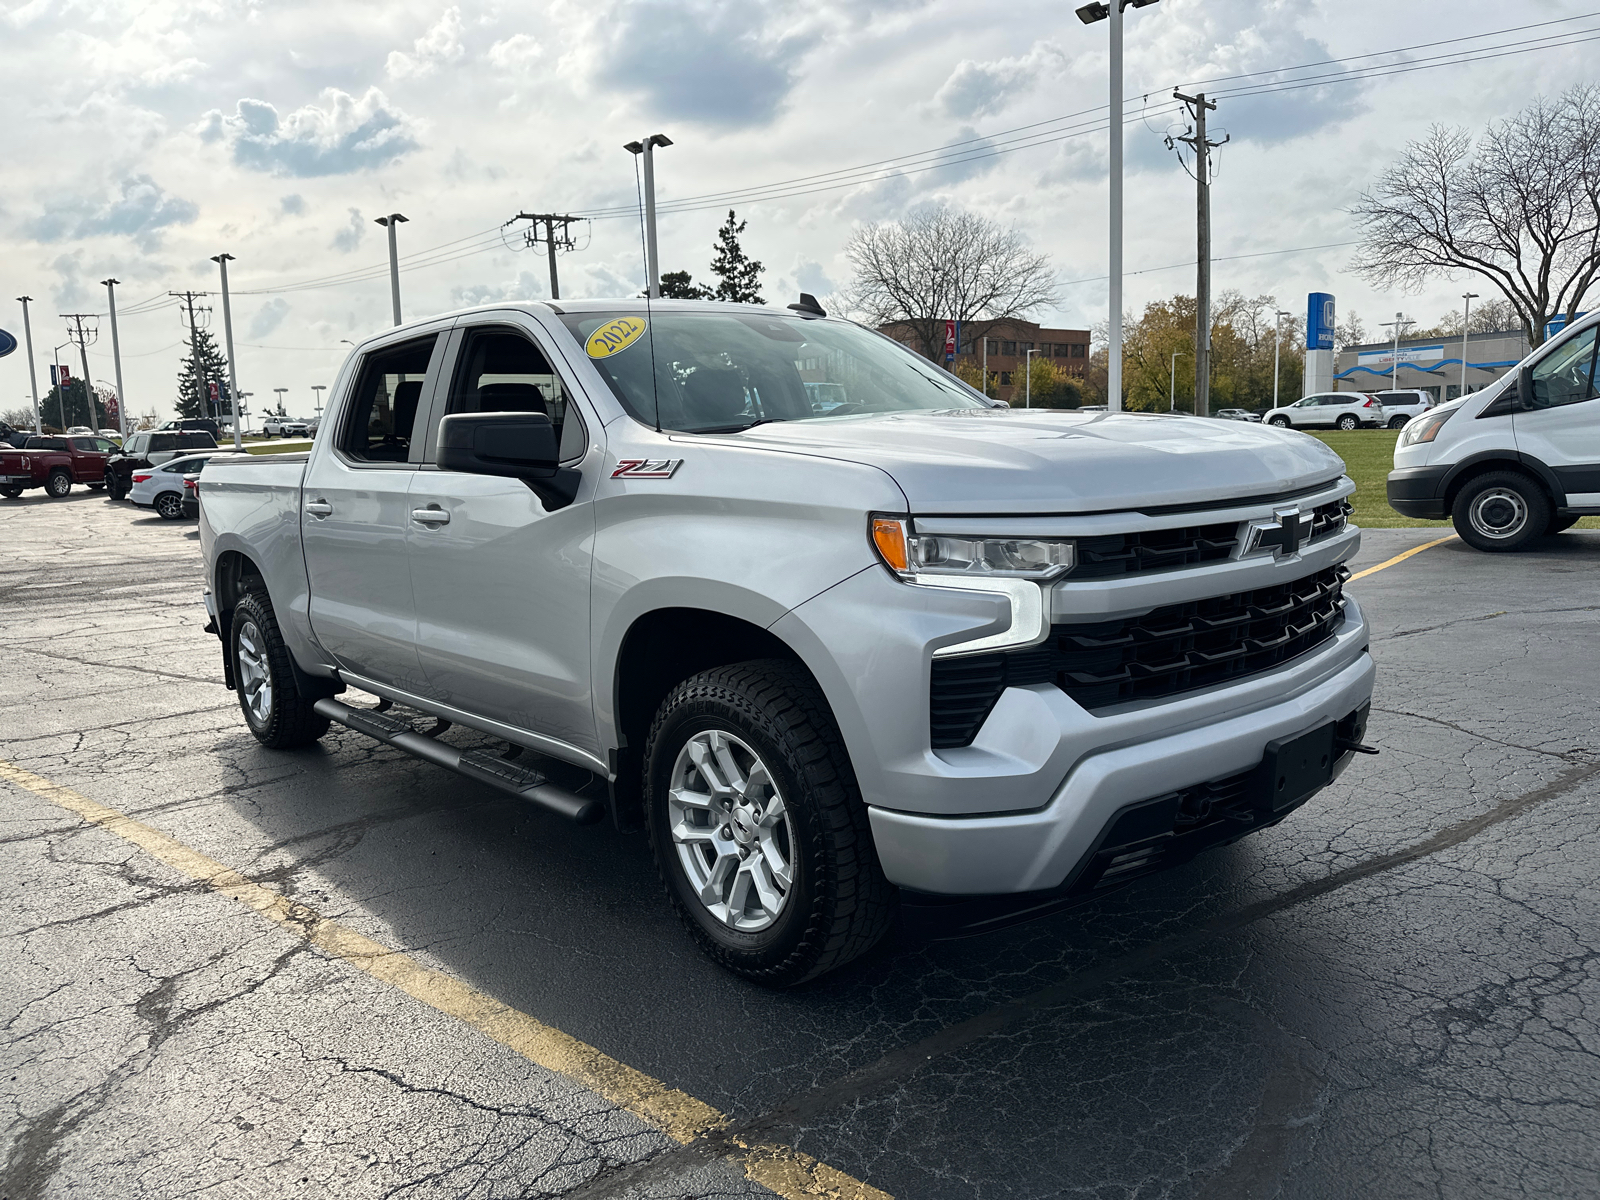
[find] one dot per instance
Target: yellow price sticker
(614, 337)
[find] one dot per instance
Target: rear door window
(382, 414)
(163, 441)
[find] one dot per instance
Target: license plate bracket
(1293, 768)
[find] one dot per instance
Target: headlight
(910, 554)
(1424, 428)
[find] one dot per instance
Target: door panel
(502, 585)
(355, 512)
(1563, 429)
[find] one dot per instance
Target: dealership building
(1430, 364)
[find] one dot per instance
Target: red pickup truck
(55, 463)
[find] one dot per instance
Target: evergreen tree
(54, 415)
(680, 285)
(740, 275)
(195, 401)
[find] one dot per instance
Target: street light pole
(61, 391)
(319, 388)
(391, 222)
(1089, 14)
(1027, 379)
(1399, 323)
(652, 263)
(222, 260)
(33, 378)
(116, 359)
(1277, 346)
(1172, 381)
(1466, 311)
(281, 410)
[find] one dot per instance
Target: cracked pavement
(1394, 993)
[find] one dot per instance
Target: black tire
(1500, 511)
(170, 506)
(1398, 422)
(10, 493)
(1280, 421)
(114, 492)
(1559, 522)
(838, 904)
(1348, 421)
(289, 719)
(59, 483)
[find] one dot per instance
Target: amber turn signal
(889, 536)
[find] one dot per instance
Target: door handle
(319, 508)
(432, 515)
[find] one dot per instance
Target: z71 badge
(646, 468)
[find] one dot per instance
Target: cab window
(163, 441)
(383, 409)
(1567, 374)
(501, 370)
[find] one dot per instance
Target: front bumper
(1044, 849)
(1419, 492)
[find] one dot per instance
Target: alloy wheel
(731, 830)
(255, 680)
(169, 505)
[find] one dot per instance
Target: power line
(1218, 258)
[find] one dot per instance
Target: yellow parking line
(677, 1114)
(1399, 558)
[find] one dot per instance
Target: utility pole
(222, 260)
(116, 359)
(1198, 107)
(553, 239)
(33, 378)
(1277, 345)
(188, 299)
(1466, 312)
(391, 222)
(1399, 323)
(652, 263)
(1027, 379)
(80, 336)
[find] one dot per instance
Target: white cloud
(139, 208)
(268, 317)
(348, 238)
(439, 47)
(345, 134)
(515, 53)
(980, 89)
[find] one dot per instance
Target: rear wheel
(115, 490)
(278, 715)
(1398, 422)
(10, 493)
(170, 506)
(1280, 421)
(1502, 510)
(59, 483)
(758, 828)
(1348, 421)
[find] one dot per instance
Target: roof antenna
(649, 324)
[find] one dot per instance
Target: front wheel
(279, 716)
(1280, 422)
(10, 493)
(1503, 510)
(1398, 422)
(58, 485)
(757, 825)
(1348, 421)
(170, 506)
(114, 491)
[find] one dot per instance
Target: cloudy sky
(142, 138)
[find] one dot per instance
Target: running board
(486, 768)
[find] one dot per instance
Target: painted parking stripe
(1400, 558)
(677, 1114)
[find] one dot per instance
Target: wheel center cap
(744, 827)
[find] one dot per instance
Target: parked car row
(150, 468)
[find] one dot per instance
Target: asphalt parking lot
(344, 972)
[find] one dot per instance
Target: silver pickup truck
(847, 638)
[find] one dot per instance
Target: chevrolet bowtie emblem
(1284, 533)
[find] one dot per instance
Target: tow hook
(1346, 744)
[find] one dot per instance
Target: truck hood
(1010, 461)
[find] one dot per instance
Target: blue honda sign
(7, 343)
(1319, 321)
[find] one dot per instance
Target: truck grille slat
(1170, 650)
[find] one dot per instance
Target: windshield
(718, 373)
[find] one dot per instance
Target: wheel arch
(1482, 463)
(660, 649)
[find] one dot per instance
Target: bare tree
(1521, 209)
(941, 264)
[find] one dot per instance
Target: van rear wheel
(1500, 511)
(757, 825)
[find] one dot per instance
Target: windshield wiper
(737, 428)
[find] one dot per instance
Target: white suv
(1513, 462)
(1401, 406)
(1330, 410)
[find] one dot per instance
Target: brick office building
(1008, 346)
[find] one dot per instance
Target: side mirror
(515, 445)
(1525, 389)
